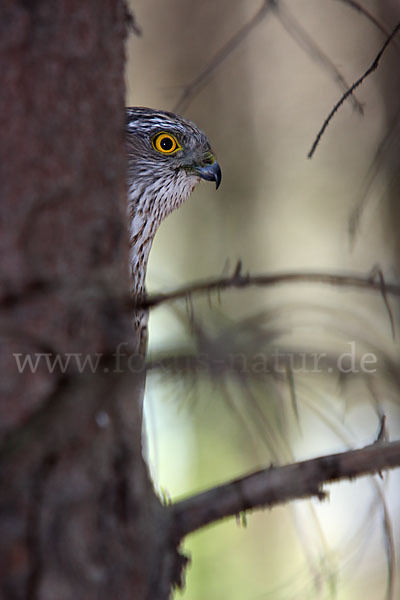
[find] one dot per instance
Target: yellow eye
(166, 143)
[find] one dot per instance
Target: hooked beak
(210, 173)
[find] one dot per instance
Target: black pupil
(166, 144)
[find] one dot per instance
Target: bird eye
(165, 143)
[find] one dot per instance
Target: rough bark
(78, 516)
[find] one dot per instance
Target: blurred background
(260, 78)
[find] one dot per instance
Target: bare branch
(295, 30)
(299, 34)
(362, 10)
(381, 279)
(355, 85)
(277, 485)
(389, 547)
(237, 280)
(131, 21)
(380, 155)
(194, 87)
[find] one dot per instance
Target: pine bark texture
(78, 516)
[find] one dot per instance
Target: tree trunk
(78, 516)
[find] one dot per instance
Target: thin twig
(362, 10)
(389, 543)
(194, 86)
(131, 22)
(385, 146)
(300, 35)
(245, 281)
(355, 85)
(382, 434)
(277, 485)
(385, 299)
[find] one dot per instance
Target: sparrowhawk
(167, 157)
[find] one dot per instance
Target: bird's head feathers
(167, 156)
(165, 149)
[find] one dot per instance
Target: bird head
(167, 157)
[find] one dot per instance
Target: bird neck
(143, 224)
(148, 205)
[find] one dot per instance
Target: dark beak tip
(211, 173)
(218, 175)
(218, 178)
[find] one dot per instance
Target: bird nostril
(209, 159)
